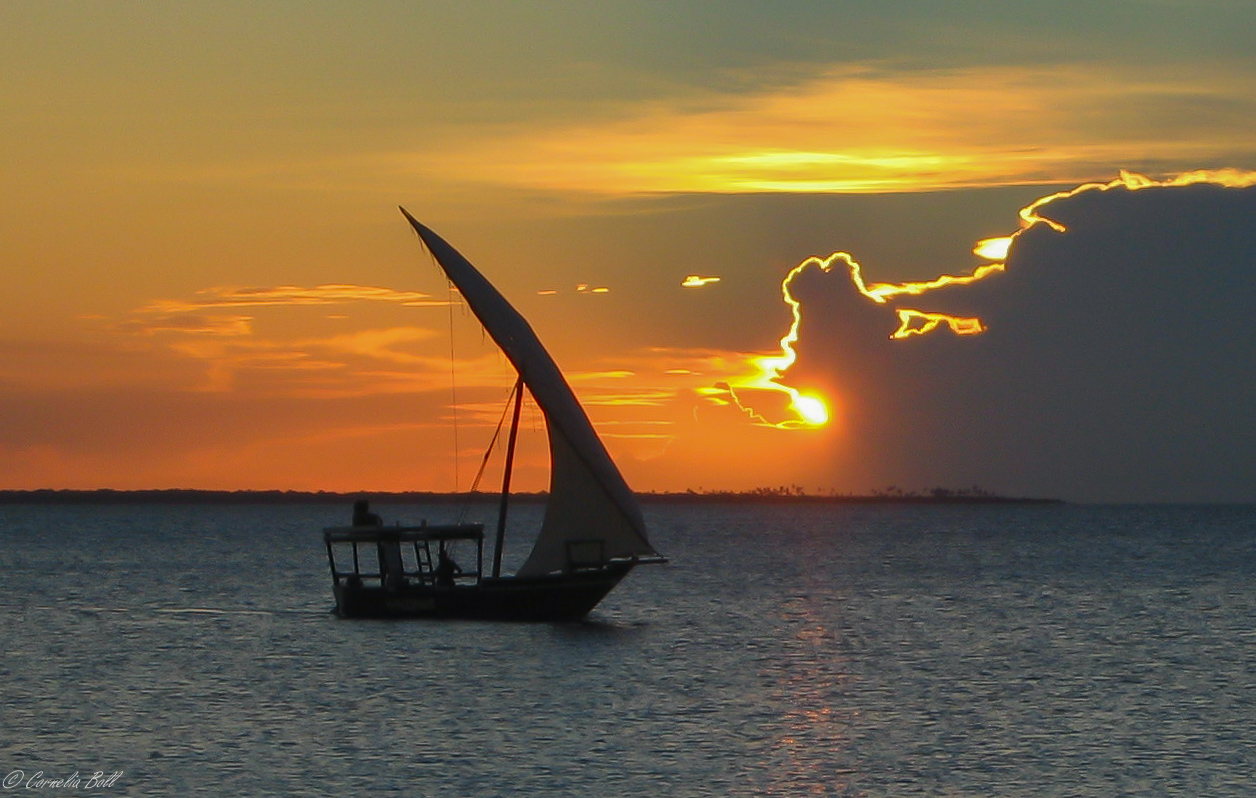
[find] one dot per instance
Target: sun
(812, 409)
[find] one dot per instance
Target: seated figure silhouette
(391, 569)
(446, 570)
(362, 515)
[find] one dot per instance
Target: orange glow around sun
(812, 410)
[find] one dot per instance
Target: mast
(510, 462)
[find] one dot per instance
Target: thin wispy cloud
(232, 356)
(332, 294)
(153, 322)
(208, 332)
(368, 362)
(198, 315)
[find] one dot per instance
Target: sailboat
(592, 533)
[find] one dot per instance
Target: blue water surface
(785, 650)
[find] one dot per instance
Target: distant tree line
(778, 494)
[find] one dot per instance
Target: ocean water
(785, 650)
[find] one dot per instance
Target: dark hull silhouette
(556, 597)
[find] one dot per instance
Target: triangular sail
(589, 500)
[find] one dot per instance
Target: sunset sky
(208, 283)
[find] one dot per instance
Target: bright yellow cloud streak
(880, 292)
(859, 130)
(698, 281)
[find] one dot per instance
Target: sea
(785, 650)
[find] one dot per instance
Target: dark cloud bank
(1116, 365)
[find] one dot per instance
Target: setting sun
(812, 409)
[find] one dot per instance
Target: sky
(208, 283)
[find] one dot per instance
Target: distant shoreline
(189, 496)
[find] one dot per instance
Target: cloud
(208, 330)
(698, 281)
(870, 129)
(200, 314)
(237, 297)
(151, 321)
(362, 363)
(1115, 365)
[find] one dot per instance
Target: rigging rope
(487, 453)
(453, 381)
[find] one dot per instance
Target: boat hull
(555, 597)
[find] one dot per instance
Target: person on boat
(362, 515)
(446, 569)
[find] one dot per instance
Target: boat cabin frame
(400, 556)
(395, 572)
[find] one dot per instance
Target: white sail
(589, 500)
